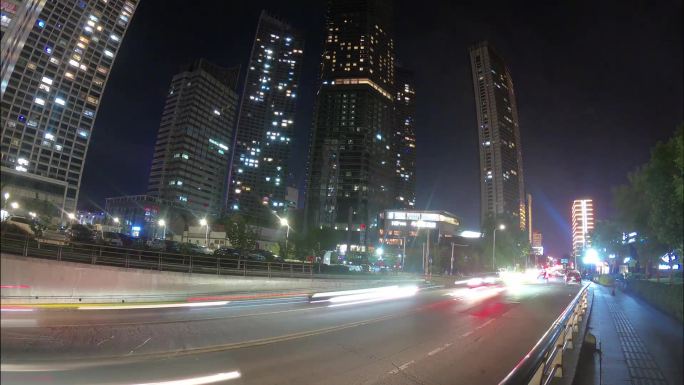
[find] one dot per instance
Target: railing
(545, 361)
(148, 259)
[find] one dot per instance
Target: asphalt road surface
(437, 336)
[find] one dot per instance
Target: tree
(512, 244)
(240, 233)
(651, 203)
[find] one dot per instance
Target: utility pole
(451, 269)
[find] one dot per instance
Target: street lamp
(7, 196)
(71, 216)
(284, 222)
(116, 220)
(203, 222)
(14, 205)
(162, 223)
(501, 227)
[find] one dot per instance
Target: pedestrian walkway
(638, 343)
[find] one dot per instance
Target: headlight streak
(353, 297)
(199, 380)
(154, 306)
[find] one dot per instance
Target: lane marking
(112, 360)
(139, 346)
(484, 324)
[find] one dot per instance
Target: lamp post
(284, 222)
(162, 223)
(501, 227)
(203, 222)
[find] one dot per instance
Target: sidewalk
(638, 343)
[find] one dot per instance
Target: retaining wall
(34, 280)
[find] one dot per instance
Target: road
(437, 336)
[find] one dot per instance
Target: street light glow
(7, 195)
(591, 257)
(71, 216)
(116, 219)
(502, 227)
(162, 222)
(470, 234)
(14, 205)
(32, 214)
(283, 222)
(203, 222)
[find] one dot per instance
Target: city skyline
(457, 195)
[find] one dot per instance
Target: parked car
(172, 246)
(191, 248)
(270, 257)
(112, 239)
(156, 244)
(53, 235)
(82, 234)
(25, 225)
(254, 256)
(227, 252)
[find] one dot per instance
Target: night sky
(597, 84)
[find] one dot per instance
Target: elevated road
(438, 336)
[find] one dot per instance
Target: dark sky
(597, 83)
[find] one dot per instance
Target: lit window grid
(63, 157)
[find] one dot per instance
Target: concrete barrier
(34, 280)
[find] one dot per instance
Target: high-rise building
(582, 225)
(191, 156)
(405, 141)
(528, 217)
(263, 142)
(351, 163)
(502, 191)
(56, 60)
(537, 245)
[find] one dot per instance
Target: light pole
(501, 227)
(162, 223)
(284, 222)
(203, 222)
(403, 254)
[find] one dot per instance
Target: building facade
(191, 155)
(502, 190)
(265, 130)
(405, 141)
(56, 60)
(537, 243)
(582, 225)
(351, 163)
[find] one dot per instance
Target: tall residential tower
(191, 156)
(263, 142)
(352, 162)
(56, 59)
(405, 141)
(502, 190)
(582, 225)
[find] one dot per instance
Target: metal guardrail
(149, 259)
(545, 361)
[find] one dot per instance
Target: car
(155, 244)
(271, 257)
(112, 239)
(172, 246)
(52, 235)
(81, 234)
(254, 256)
(227, 252)
(24, 224)
(573, 276)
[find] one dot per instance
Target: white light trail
(154, 306)
(199, 380)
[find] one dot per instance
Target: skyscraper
(405, 141)
(351, 163)
(528, 217)
(266, 122)
(191, 156)
(502, 190)
(582, 225)
(56, 60)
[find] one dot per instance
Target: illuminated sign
(398, 223)
(424, 224)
